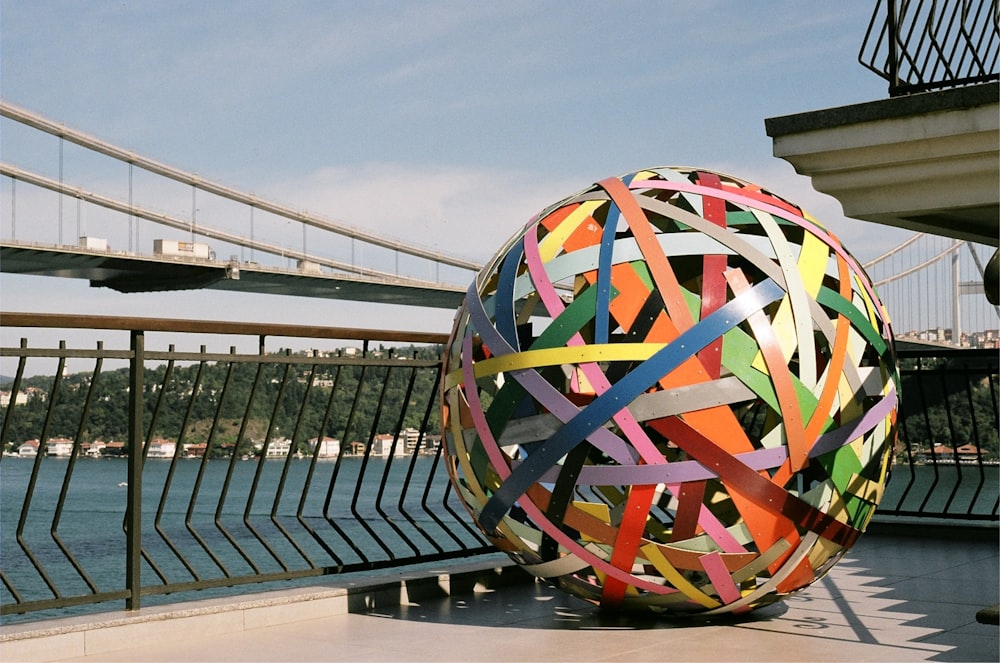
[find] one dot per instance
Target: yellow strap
(866, 489)
(822, 552)
(674, 577)
(552, 243)
(792, 322)
(579, 354)
(869, 308)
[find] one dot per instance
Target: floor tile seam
(910, 647)
(969, 562)
(874, 591)
(167, 615)
(261, 600)
(901, 617)
(929, 569)
(942, 633)
(891, 620)
(873, 575)
(907, 645)
(908, 619)
(957, 627)
(923, 599)
(905, 579)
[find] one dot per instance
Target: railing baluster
(975, 435)
(992, 382)
(15, 389)
(307, 483)
(35, 469)
(352, 542)
(345, 437)
(364, 466)
(947, 400)
(260, 470)
(401, 504)
(77, 443)
(234, 458)
(202, 466)
(279, 491)
(388, 464)
(930, 437)
(917, 46)
(168, 481)
(147, 436)
(133, 511)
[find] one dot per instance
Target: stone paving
(895, 597)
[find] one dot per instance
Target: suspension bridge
(247, 245)
(232, 240)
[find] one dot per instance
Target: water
(947, 489)
(94, 508)
(364, 527)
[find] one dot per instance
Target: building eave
(928, 162)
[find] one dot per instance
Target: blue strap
(506, 322)
(621, 394)
(604, 261)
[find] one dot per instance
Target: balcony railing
(947, 458)
(251, 466)
(919, 46)
(233, 484)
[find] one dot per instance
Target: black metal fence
(919, 45)
(281, 465)
(947, 459)
(252, 467)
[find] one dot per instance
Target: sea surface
(373, 513)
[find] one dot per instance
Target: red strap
(713, 281)
(752, 485)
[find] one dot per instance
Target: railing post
(893, 33)
(133, 510)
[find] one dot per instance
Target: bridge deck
(135, 273)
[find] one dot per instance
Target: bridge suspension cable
(916, 268)
(183, 224)
(84, 140)
(892, 252)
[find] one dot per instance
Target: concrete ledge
(71, 637)
(936, 528)
(890, 108)
(925, 162)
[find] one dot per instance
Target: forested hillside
(304, 400)
(943, 404)
(950, 402)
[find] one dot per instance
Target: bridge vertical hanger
(956, 307)
(251, 234)
(194, 209)
(61, 142)
(131, 213)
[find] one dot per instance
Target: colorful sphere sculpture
(673, 390)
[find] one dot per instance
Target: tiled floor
(894, 598)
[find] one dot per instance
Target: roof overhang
(927, 162)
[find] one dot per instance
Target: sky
(445, 124)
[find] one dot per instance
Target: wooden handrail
(129, 323)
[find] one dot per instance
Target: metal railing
(919, 46)
(946, 464)
(210, 509)
(253, 467)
